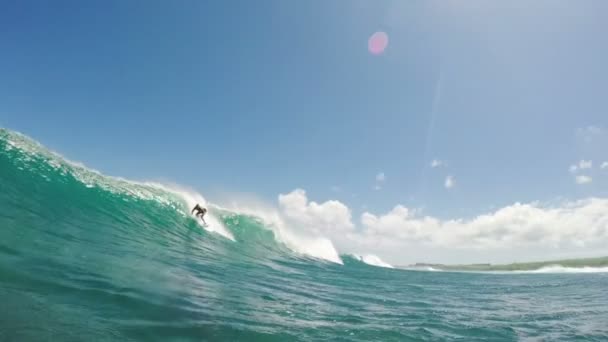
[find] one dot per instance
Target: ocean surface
(88, 257)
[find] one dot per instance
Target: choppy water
(86, 257)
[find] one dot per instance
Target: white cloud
(519, 226)
(319, 218)
(604, 165)
(449, 182)
(590, 130)
(380, 178)
(582, 165)
(585, 164)
(583, 179)
(437, 163)
(516, 232)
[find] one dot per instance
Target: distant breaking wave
(551, 269)
(562, 269)
(372, 260)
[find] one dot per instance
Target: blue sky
(267, 96)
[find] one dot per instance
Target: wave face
(84, 256)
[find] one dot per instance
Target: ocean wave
(29, 155)
(174, 196)
(39, 159)
(121, 260)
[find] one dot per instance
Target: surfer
(200, 212)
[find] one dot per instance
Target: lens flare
(377, 43)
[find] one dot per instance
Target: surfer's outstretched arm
(196, 207)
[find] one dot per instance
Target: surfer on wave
(200, 212)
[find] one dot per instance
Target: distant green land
(519, 266)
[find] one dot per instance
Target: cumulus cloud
(582, 179)
(575, 224)
(449, 182)
(437, 163)
(604, 165)
(581, 165)
(324, 218)
(585, 164)
(590, 130)
(403, 235)
(380, 179)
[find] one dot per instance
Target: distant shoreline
(518, 266)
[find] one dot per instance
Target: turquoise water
(86, 257)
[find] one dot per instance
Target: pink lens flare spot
(377, 43)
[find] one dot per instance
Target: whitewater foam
(562, 269)
(372, 260)
(422, 268)
(552, 269)
(318, 247)
(191, 198)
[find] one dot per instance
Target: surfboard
(203, 223)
